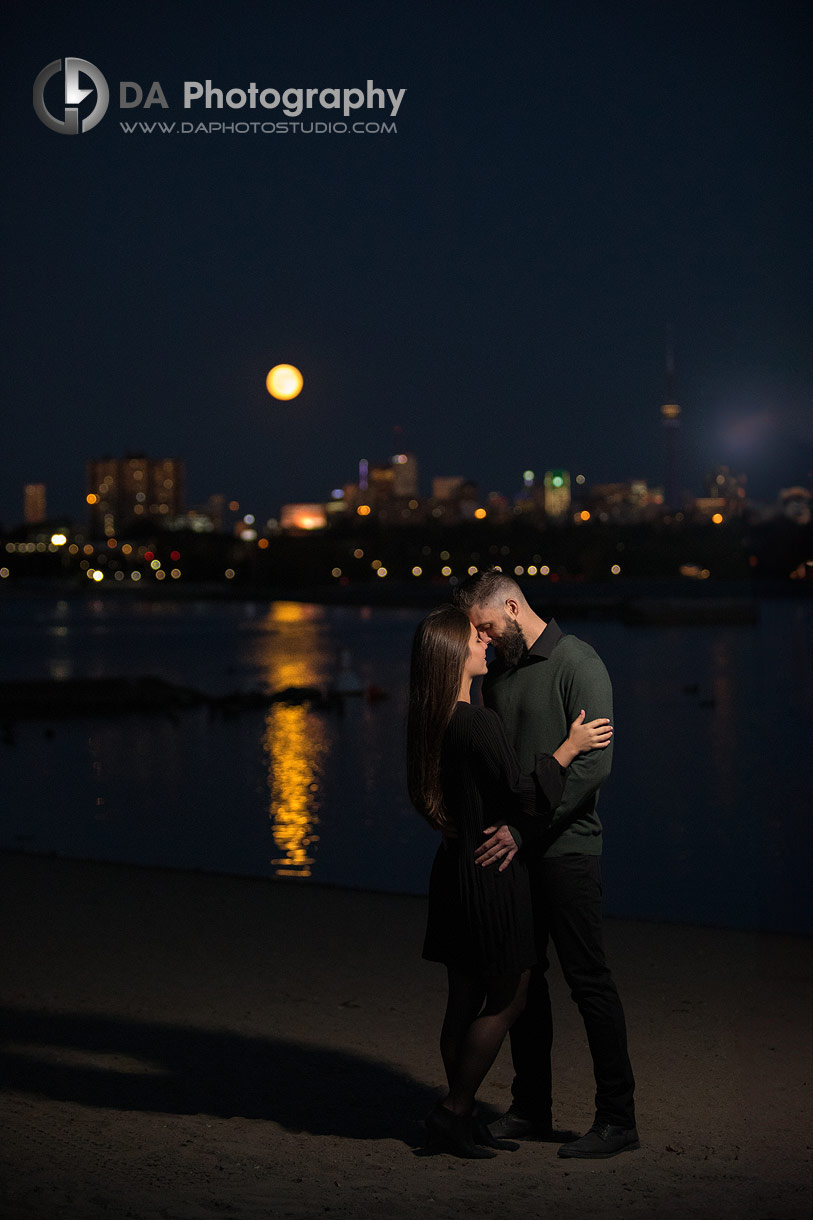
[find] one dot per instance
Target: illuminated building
(453, 498)
(795, 504)
(405, 475)
(303, 517)
(214, 509)
(557, 494)
(625, 502)
(709, 508)
(381, 485)
(447, 487)
(126, 492)
(34, 508)
(722, 484)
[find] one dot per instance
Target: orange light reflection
(295, 746)
(297, 738)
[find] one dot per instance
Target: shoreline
(635, 602)
(181, 1044)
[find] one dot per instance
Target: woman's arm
(595, 735)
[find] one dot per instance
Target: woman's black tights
(478, 1016)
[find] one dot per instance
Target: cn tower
(670, 421)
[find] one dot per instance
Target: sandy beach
(185, 1046)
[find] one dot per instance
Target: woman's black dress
(480, 920)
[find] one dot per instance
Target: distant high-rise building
(795, 503)
(128, 491)
(381, 484)
(447, 487)
(215, 509)
(303, 517)
(34, 505)
(557, 493)
(405, 475)
(730, 487)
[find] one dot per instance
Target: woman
(463, 777)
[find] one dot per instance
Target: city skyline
(112, 482)
(495, 277)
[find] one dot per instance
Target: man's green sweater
(537, 701)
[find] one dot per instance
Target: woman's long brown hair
(439, 652)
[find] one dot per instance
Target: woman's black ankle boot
(448, 1132)
(483, 1136)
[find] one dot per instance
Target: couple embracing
(513, 788)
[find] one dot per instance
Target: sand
(186, 1046)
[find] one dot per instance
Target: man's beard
(511, 646)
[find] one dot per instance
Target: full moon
(284, 381)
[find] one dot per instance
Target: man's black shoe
(601, 1141)
(513, 1126)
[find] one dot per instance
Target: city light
(616, 569)
(364, 510)
(718, 518)
(416, 571)
(91, 498)
(480, 514)
(284, 381)
(58, 539)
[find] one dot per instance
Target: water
(706, 814)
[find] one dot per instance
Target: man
(540, 681)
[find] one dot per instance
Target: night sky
(495, 279)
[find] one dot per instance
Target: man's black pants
(567, 910)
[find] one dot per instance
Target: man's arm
(589, 687)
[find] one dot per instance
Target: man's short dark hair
(484, 588)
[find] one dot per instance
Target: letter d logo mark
(74, 94)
